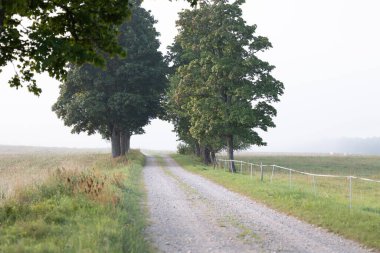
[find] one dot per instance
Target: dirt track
(191, 214)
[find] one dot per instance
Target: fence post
(262, 172)
(225, 165)
(350, 178)
(271, 177)
(241, 167)
(251, 170)
(290, 178)
(314, 186)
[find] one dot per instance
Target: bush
(184, 149)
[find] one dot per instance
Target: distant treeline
(359, 146)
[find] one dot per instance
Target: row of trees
(220, 91)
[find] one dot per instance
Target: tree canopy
(45, 35)
(119, 100)
(219, 85)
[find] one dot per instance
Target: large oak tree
(119, 100)
(221, 85)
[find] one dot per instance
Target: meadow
(364, 166)
(68, 202)
(320, 201)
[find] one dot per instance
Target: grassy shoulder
(93, 210)
(359, 223)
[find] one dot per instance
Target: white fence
(250, 167)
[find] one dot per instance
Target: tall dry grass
(94, 205)
(20, 170)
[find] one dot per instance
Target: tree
(45, 35)
(119, 100)
(224, 88)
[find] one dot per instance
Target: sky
(326, 53)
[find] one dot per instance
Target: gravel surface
(189, 213)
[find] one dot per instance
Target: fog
(325, 52)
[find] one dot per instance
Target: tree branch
(70, 15)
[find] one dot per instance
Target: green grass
(91, 210)
(327, 207)
(363, 166)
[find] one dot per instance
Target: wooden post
(350, 178)
(271, 178)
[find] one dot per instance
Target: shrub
(184, 149)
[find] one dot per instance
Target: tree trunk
(213, 158)
(230, 151)
(124, 142)
(206, 155)
(197, 149)
(127, 142)
(115, 142)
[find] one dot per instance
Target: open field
(325, 203)
(91, 203)
(364, 194)
(7, 149)
(26, 166)
(363, 166)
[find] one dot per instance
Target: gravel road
(189, 213)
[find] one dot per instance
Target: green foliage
(45, 35)
(220, 89)
(126, 95)
(58, 218)
(328, 208)
(185, 149)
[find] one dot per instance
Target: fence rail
(226, 162)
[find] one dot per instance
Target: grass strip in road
(331, 213)
(93, 210)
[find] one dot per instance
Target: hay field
(22, 167)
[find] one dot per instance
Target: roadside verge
(94, 210)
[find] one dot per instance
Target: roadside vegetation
(92, 209)
(31, 168)
(326, 205)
